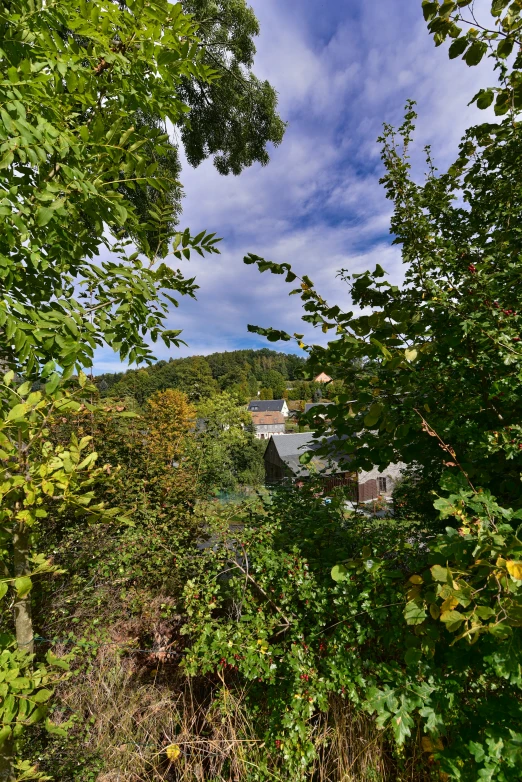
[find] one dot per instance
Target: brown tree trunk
(22, 606)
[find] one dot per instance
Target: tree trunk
(22, 606)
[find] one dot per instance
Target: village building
(269, 406)
(282, 464)
(269, 424)
(322, 377)
(311, 405)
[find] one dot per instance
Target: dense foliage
(378, 635)
(152, 632)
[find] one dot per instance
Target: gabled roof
(309, 405)
(290, 447)
(266, 405)
(261, 419)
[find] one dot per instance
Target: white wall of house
(265, 431)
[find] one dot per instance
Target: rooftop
(266, 405)
(270, 417)
(290, 447)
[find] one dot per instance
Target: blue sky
(341, 69)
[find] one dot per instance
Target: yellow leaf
(173, 752)
(449, 604)
(514, 569)
(431, 746)
(416, 579)
(410, 354)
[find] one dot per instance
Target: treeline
(240, 372)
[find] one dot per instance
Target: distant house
(322, 377)
(282, 461)
(282, 464)
(268, 424)
(310, 405)
(269, 406)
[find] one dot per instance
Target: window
(381, 484)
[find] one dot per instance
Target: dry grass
(352, 749)
(138, 712)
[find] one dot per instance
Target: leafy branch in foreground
(68, 142)
(39, 480)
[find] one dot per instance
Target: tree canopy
(86, 93)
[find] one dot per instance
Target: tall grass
(137, 711)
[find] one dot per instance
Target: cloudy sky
(341, 68)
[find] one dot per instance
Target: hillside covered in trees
(242, 372)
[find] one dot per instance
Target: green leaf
(413, 657)
(23, 585)
(5, 733)
(18, 411)
(429, 9)
(339, 573)
(414, 613)
(500, 630)
(458, 47)
(505, 47)
(484, 612)
(41, 696)
(43, 215)
(402, 724)
(52, 384)
(451, 617)
(439, 573)
(485, 99)
(475, 53)
(497, 6)
(3, 589)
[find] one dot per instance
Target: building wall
(265, 431)
(275, 468)
(371, 482)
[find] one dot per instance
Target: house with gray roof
(282, 464)
(269, 406)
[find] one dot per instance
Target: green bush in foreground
(421, 630)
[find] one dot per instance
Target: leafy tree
(38, 479)
(233, 123)
(235, 117)
(228, 453)
(266, 393)
(68, 141)
(275, 381)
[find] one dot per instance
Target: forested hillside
(243, 372)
